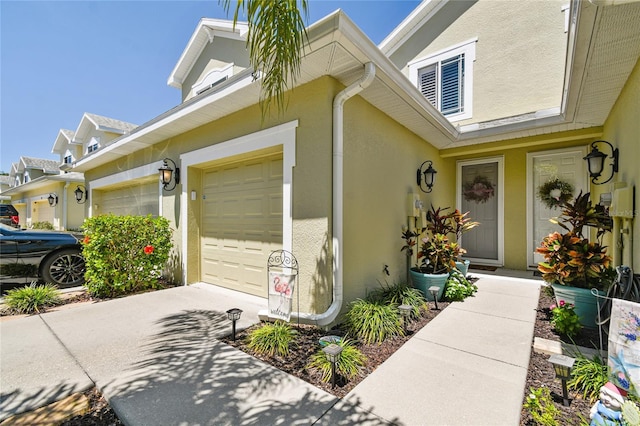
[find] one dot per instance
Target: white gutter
(327, 317)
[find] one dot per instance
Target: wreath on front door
(478, 190)
(555, 192)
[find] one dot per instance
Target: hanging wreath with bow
(478, 190)
(555, 192)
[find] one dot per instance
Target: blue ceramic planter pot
(586, 305)
(423, 281)
(463, 267)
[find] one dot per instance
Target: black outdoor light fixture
(595, 161)
(233, 315)
(429, 176)
(405, 311)
(53, 199)
(562, 365)
(81, 193)
(332, 352)
(167, 173)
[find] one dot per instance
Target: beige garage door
(241, 223)
(43, 212)
(136, 200)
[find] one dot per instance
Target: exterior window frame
(468, 51)
(93, 145)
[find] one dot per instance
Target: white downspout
(64, 206)
(332, 312)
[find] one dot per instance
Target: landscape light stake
(333, 353)
(405, 311)
(562, 365)
(234, 315)
(434, 292)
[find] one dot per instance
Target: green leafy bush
(458, 287)
(42, 225)
(372, 321)
(125, 254)
(540, 404)
(350, 361)
(400, 294)
(32, 298)
(564, 319)
(272, 339)
(588, 376)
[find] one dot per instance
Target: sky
(60, 59)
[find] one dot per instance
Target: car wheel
(64, 268)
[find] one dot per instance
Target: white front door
(568, 166)
(479, 192)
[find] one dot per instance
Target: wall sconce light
(429, 176)
(233, 315)
(333, 355)
(405, 311)
(595, 162)
(81, 193)
(167, 173)
(562, 365)
(53, 199)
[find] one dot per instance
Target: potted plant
(573, 264)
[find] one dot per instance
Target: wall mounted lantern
(595, 161)
(429, 176)
(53, 199)
(167, 174)
(81, 193)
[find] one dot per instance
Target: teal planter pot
(586, 304)
(463, 267)
(423, 281)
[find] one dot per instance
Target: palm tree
(275, 39)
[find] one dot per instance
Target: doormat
(483, 267)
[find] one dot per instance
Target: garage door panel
(139, 199)
(242, 223)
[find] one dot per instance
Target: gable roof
(47, 166)
(204, 34)
(65, 137)
(98, 122)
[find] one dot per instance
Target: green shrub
(42, 225)
(33, 298)
(588, 376)
(125, 254)
(272, 339)
(564, 319)
(350, 361)
(458, 287)
(400, 294)
(540, 404)
(372, 322)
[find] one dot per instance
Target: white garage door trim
(284, 135)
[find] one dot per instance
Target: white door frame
(496, 159)
(531, 195)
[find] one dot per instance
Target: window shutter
(452, 85)
(427, 81)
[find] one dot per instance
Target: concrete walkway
(158, 360)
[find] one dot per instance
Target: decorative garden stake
(434, 292)
(562, 365)
(333, 353)
(234, 315)
(405, 311)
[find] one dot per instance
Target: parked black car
(46, 256)
(9, 215)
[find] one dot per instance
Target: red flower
(148, 249)
(86, 239)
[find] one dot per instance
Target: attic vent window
(445, 79)
(215, 83)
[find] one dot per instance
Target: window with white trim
(68, 158)
(445, 78)
(93, 145)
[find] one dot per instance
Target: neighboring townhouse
(333, 178)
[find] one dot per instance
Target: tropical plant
(540, 404)
(400, 294)
(276, 37)
(462, 223)
(42, 225)
(582, 213)
(438, 254)
(564, 319)
(32, 299)
(588, 376)
(458, 287)
(439, 221)
(350, 361)
(373, 322)
(272, 339)
(125, 254)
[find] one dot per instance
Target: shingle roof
(6, 180)
(47, 166)
(110, 122)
